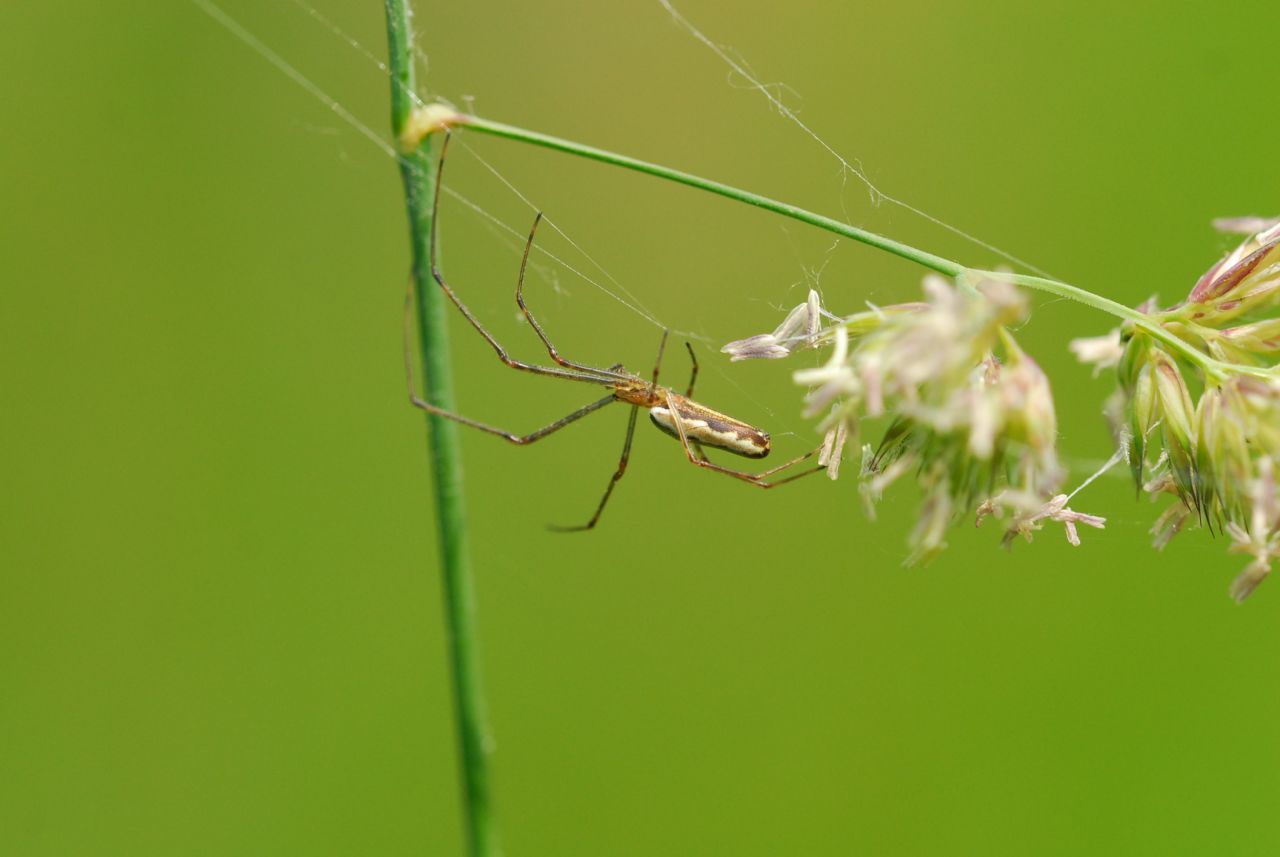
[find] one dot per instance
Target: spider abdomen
(710, 428)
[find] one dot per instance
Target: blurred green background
(220, 628)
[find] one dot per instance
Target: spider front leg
(517, 439)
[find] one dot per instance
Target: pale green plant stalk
(418, 175)
(439, 116)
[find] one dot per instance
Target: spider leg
(573, 371)
(693, 375)
(617, 475)
(657, 363)
(419, 402)
(758, 479)
(517, 439)
(528, 314)
(689, 393)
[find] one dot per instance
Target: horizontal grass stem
(897, 248)
(928, 260)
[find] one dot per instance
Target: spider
(689, 422)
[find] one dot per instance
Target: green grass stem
(931, 261)
(418, 176)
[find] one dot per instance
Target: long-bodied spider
(694, 425)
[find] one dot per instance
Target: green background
(220, 628)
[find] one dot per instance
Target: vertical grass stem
(418, 176)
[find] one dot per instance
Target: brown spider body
(678, 415)
(700, 423)
(710, 428)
